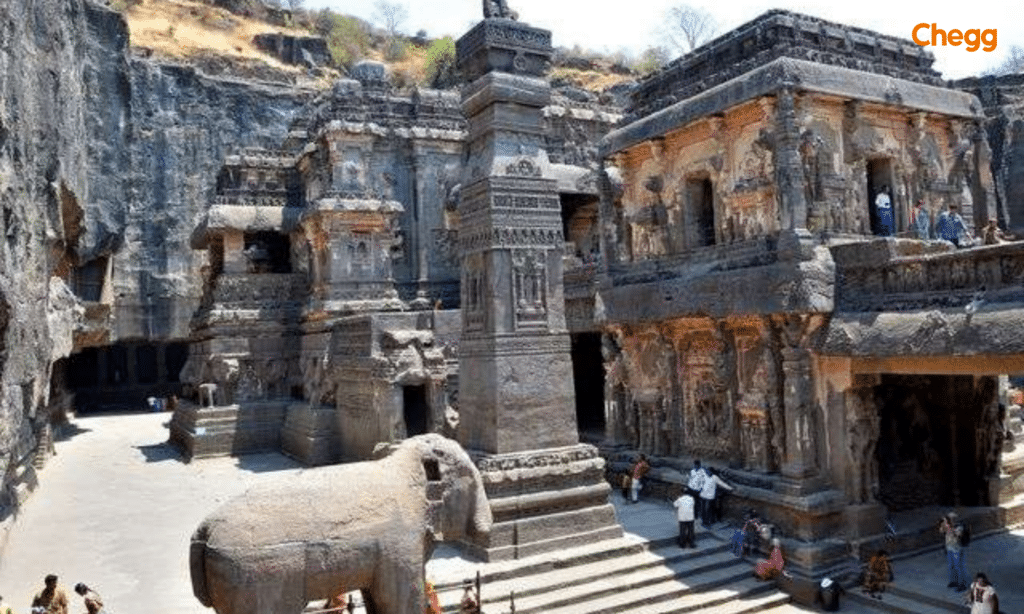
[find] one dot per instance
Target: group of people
(698, 501)
(54, 600)
(980, 595)
(949, 224)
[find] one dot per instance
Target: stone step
(725, 595)
(900, 602)
(616, 593)
(645, 567)
(603, 550)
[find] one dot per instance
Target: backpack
(965, 534)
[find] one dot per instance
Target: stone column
(800, 460)
(789, 171)
(516, 398)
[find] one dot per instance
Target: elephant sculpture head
(457, 504)
(365, 526)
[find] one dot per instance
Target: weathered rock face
(183, 124)
(1003, 99)
(106, 163)
(58, 131)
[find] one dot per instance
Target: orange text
(975, 39)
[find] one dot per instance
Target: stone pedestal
(227, 429)
(309, 434)
(516, 398)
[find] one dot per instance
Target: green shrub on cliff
(440, 68)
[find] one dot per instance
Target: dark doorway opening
(268, 252)
(879, 175)
(939, 440)
(588, 381)
(701, 196)
(122, 376)
(415, 410)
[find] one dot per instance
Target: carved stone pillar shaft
(789, 166)
(801, 455)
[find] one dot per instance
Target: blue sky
(607, 26)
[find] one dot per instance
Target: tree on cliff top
(391, 15)
(687, 27)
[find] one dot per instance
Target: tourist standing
(684, 514)
(93, 602)
(707, 496)
(696, 482)
(52, 598)
(953, 531)
(640, 470)
(883, 212)
(982, 597)
(920, 221)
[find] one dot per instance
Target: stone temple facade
(703, 277)
(748, 313)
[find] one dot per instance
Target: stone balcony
(896, 275)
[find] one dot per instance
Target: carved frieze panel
(529, 288)
(474, 280)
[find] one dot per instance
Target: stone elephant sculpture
(366, 526)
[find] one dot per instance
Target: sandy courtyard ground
(115, 509)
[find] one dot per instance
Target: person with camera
(953, 531)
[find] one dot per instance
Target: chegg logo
(975, 38)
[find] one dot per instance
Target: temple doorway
(879, 175)
(588, 382)
(415, 410)
(939, 440)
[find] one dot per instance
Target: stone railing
(742, 254)
(250, 199)
(870, 279)
(263, 291)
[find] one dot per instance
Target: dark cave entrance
(940, 438)
(120, 377)
(415, 410)
(588, 382)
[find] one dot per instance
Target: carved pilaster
(801, 458)
(789, 167)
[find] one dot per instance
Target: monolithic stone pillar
(789, 171)
(801, 459)
(516, 399)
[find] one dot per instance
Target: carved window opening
(580, 227)
(415, 410)
(268, 252)
(88, 280)
(700, 195)
(884, 220)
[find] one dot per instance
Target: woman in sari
(768, 569)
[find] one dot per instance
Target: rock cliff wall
(182, 124)
(49, 61)
(106, 163)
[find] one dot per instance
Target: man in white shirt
(696, 482)
(707, 496)
(684, 514)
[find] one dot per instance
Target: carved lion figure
(365, 526)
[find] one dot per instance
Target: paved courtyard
(116, 508)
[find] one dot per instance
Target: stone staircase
(897, 600)
(622, 576)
